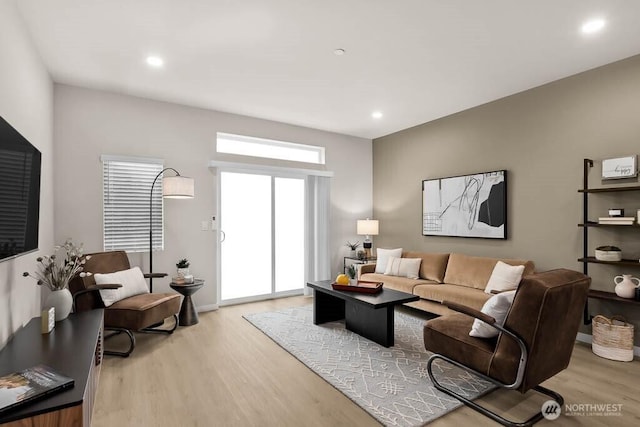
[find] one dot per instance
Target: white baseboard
(206, 307)
(586, 338)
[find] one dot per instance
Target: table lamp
(367, 227)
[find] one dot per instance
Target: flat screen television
(20, 164)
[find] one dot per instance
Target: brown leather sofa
(453, 277)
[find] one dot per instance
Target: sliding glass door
(262, 219)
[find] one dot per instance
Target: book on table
(19, 388)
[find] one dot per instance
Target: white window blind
(125, 190)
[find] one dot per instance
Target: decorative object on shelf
(173, 187)
(362, 255)
(367, 227)
(56, 276)
(608, 253)
(612, 338)
(638, 216)
(616, 212)
(466, 206)
(353, 247)
(625, 286)
(620, 167)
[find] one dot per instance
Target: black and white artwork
(466, 206)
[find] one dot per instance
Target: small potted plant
(351, 272)
(183, 268)
(353, 247)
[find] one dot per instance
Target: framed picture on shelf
(620, 167)
(466, 206)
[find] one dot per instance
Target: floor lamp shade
(177, 187)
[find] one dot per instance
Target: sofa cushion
(403, 284)
(474, 272)
(433, 265)
(505, 277)
(449, 336)
(383, 256)
(141, 311)
(403, 267)
(474, 298)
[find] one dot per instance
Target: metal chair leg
(118, 331)
(153, 330)
(484, 411)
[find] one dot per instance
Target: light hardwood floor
(225, 372)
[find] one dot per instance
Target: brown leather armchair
(139, 313)
(534, 344)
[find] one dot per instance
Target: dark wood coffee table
(368, 315)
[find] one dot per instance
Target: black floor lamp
(173, 187)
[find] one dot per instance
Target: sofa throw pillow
(497, 307)
(504, 277)
(403, 267)
(383, 256)
(132, 282)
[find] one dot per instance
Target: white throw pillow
(497, 307)
(132, 282)
(383, 256)
(504, 277)
(404, 267)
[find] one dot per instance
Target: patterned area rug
(391, 384)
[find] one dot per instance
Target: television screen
(19, 193)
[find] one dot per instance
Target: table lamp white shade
(368, 227)
(177, 187)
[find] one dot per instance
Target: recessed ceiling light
(339, 52)
(376, 114)
(155, 61)
(593, 26)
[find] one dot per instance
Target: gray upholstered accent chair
(139, 313)
(534, 344)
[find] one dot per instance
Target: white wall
(89, 123)
(26, 99)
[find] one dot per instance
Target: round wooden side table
(188, 315)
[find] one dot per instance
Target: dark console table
(73, 348)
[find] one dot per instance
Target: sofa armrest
(366, 268)
(470, 312)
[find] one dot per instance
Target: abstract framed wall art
(466, 206)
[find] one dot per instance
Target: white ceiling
(414, 60)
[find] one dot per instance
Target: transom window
(268, 148)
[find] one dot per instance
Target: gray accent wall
(540, 137)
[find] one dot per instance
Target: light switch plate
(204, 226)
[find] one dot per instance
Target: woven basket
(612, 338)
